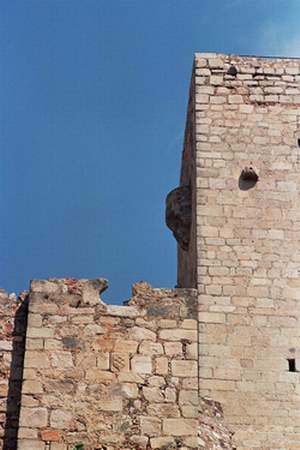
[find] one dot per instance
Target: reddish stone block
(50, 435)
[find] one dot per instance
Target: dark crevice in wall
(16, 376)
(247, 179)
(292, 365)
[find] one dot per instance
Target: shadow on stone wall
(16, 376)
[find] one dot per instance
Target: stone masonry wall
(247, 112)
(110, 377)
(13, 314)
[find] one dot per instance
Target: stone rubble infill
(213, 434)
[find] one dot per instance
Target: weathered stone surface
(60, 419)
(180, 427)
(185, 368)
(150, 426)
(162, 442)
(141, 364)
(34, 417)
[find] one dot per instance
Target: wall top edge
(198, 55)
(82, 293)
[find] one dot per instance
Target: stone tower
(239, 240)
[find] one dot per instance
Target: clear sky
(93, 104)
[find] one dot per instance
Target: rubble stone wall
(109, 377)
(248, 244)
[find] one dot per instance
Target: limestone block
(184, 368)
(161, 366)
(28, 444)
(167, 323)
(163, 410)
(103, 361)
(151, 426)
(31, 387)
(5, 345)
(216, 80)
(33, 344)
(34, 320)
(28, 433)
(156, 381)
(36, 359)
(82, 319)
(170, 395)
(123, 311)
(173, 348)
(150, 348)
(192, 383)
(141, 334)
(162, 442)
(60, 419)
(41, 332)
(190, 411)
(178, 335)
(33, 417)
(44, 286)
(141, 364)
(3, 388)
(58, 446)
(192, 351)
(93, 329)
(87, 361)
(212, 317)
(235, 99)
(98, 375)
(188, 397)
(180, 427)
(189, 324)
(131, 377)
(153, 394)
(52, 344)
(61, 360)
(112, 404)
(126, 346)
(129, 390)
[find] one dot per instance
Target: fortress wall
(13, 313)
(109, 377)
(248, 244)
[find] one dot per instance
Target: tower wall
(248, 244)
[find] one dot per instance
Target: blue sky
(93, 104)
